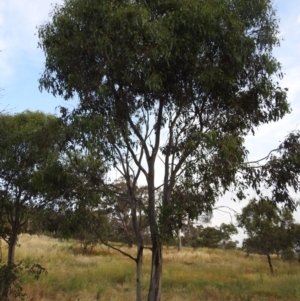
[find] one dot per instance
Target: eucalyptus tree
(215, 237)
(269, 229)
(31, 174)
(29, 168)
(186, 206)
(119, 210)
(172, 87)
(276, 178)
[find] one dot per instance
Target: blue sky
(21, 63)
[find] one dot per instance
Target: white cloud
(30, 14)
(18, 41)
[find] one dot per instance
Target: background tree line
(51, 186)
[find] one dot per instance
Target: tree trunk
(140, 242)
(179, 240)
(10, 263)
(156, 264)
(139, 264)
(12, 247)
(4, 295)
(156, 272)
(270, 263)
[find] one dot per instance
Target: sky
(21, 63)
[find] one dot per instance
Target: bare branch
(265, 158)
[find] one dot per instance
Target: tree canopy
(31, 175)
(30, 169)
(215, 237)
(269, 229)
(169, 85)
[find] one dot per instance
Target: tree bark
(156, 264)
(12, 247)
(270, 264)
(139, 264)
(140, 242)
(156, 272)
(11, 251)
(4, 295)
(10, 263)
(179, 240)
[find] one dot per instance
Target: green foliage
(280, 174)
(183, 80)
(288, 254)
(142, 48)
(215, 237)
(73, 223)
(31, 172)
(76, 224)
(187, 204)
(260, 220)
(296, 234)
(31, 175)
(178, 62)
(119, 211)
(269, 229)
(29, 154)
(10, 278)
(28, 149)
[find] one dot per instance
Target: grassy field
(202, 274)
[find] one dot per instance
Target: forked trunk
(156, 272)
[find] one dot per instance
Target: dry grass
(202, 274)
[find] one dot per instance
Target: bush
(288, 254)
(10, 275)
